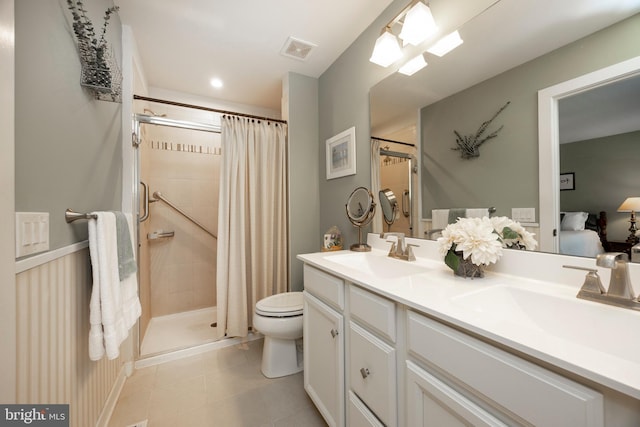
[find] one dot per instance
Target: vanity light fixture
(418, 24)
(413, 65)
(387, 50)
(446, 44)
(631, 204)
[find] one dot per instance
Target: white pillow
(573, 221)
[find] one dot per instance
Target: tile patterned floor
(220, 388)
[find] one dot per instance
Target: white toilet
(279, 319)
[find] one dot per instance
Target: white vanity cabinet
(324, 344)
(403, 355)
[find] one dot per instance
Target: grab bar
(158, 195)
(160, 235)
(145, 196)
(406, 202)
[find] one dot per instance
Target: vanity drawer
(532, 393)
(372, 373)
(374, 311)
(430, 402)
(324, 286)
(358, 415)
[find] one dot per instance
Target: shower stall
(397, 173)
(178, 168)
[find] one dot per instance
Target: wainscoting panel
(53, 364)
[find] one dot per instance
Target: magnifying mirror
(389, 206)
(360, 208)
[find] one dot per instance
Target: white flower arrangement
(482, 240)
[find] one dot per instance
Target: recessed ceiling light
(216, 82)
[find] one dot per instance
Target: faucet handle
(592, 283)
(409, 252)
(393, 245)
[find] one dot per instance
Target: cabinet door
(430, 402)
(324, 359)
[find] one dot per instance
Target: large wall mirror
(512, 50)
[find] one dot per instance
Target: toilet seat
(287, 304)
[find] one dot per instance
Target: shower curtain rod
(199, 107)
(396, 154)
(392, 141)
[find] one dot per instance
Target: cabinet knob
(364, 372)
(334, 333)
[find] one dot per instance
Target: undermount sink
(563, 317)
(378, 265)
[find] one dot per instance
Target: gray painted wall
(344, 102)
(606, 173)
(506, 173)
(304, 198)
(67, 144)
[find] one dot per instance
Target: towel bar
(71, 215)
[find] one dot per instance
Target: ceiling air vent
(297, 49)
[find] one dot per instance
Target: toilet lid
(281, 305)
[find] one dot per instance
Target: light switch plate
(32, 233)
(527, 215)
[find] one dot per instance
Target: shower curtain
(252, 220)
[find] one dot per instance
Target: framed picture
(567, 181)
(341, 154)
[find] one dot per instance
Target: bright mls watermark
(34, 415)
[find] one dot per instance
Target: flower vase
(466, 268)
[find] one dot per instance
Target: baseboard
(112, 399)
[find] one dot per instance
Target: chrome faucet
(399, 249)
(620, 291)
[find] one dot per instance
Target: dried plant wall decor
(469, 145)
(100, 72)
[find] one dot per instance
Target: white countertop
(539, 318)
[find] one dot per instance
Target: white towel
(439, 219)
(477, 213)
(114, 305)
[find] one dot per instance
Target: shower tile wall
(182, 268)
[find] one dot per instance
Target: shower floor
(178, 331)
